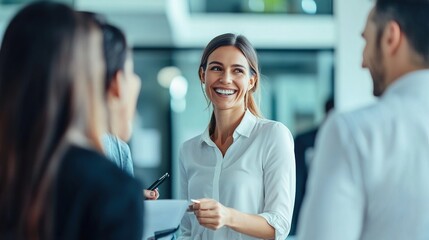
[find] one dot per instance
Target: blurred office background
(309, 50)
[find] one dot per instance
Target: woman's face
(130, 90)
(227, 78)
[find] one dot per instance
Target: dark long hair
(115, 51)
(115, 47)
(242, 44)
(41, 76)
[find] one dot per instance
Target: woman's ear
(115, 87)
(202, 77)
(252, 82)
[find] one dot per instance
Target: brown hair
(406, 13)
(48, 85)
(242, 44)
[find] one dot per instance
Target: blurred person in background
(369, 178)
(55, 182)
(122, 90)
(304, 154)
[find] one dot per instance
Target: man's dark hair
(413, 19)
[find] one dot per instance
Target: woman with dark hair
(54, 181)
(241, 170)
(122, 89)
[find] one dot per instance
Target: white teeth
(225, 91)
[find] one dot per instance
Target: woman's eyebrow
(238, 65)
(215, 62)
(219, 63)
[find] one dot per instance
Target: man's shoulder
(364, 118)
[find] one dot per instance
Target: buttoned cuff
(279, 223)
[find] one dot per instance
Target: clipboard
(162, 218)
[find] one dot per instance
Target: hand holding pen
(151, 195)
(152, 191)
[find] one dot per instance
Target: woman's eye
(215, 68)
(238, 70)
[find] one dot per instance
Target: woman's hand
(211, 214)
(151, 195)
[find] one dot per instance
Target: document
(163, 217)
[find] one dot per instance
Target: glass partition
(307, 7)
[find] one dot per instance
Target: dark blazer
(95, 199)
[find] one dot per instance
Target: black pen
(158, 182)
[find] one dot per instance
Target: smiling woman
(244, 63)
(227, 79)
(241, 169)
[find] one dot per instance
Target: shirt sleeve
(334, 204)
(279, 181)
(185, 225)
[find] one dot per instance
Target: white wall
(353, 86)
(6, 13)
(264, 31)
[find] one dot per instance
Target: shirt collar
(243, 129)
(246, 126)
(415, 83)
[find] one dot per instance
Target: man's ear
(202, 77)
(392, 37)
(115, 87)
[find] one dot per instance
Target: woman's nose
(226, 78)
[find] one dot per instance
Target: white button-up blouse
(256, 176)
